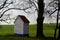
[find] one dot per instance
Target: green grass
(7, 32)
(49, 30)
(32, 30)
(6, 29)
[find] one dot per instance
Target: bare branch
(3, 4)
(53, 11)
(34, 4)
(13, 9)
(55, 8)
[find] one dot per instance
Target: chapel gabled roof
(25, 20)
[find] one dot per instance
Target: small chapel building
(21, 26)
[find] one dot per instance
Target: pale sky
(31, 17)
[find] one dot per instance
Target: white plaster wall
(26, 28)
(18, 26)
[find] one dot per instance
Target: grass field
(7, 32)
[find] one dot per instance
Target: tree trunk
(40, 18)
(58, 15)
(59, 33)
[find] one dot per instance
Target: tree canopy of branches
(28, 6)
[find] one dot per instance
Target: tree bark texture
(40, 18)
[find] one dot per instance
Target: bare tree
(40, 19)
(56, 6)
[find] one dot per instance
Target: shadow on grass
(14, 37)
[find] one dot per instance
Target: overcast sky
(31, 17)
